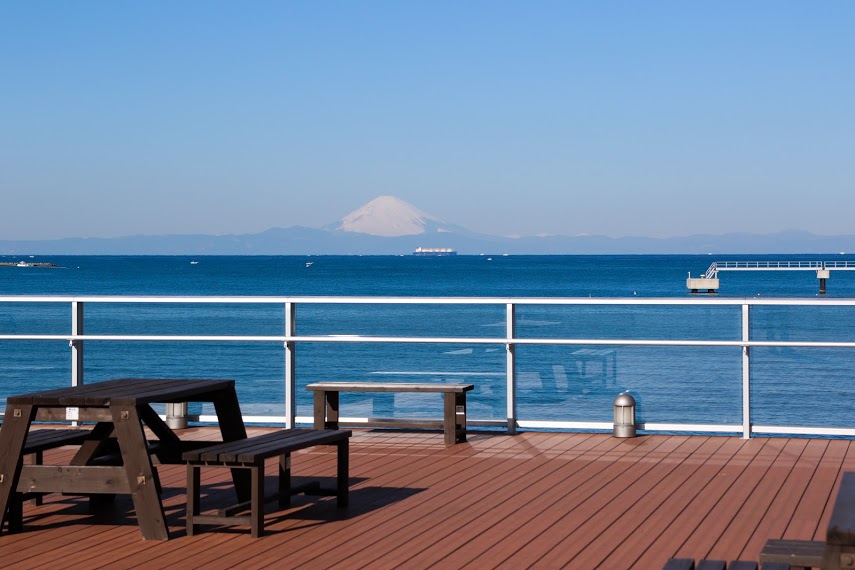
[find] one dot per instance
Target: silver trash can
(176, 415)
(624, 425)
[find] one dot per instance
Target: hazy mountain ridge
(390, 226)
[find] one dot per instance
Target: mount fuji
(388, 216)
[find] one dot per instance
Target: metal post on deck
(76, 347)
(746, 374)
(290, 367)
(76, 344)
(511, 366)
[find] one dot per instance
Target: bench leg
(193, 480)
(326, 410)
(454, 421)
(343, 473)
(460, 417)
(257, 501)
(285, 481)
(39, 459)
(449, 423)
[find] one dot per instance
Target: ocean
(700, 385)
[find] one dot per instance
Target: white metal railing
(76, 339)
(777, 265)
(716, 266)
(763, 265)
(712, 271)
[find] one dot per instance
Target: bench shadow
(362, 501)
(310, 510)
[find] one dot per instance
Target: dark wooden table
(117, 456)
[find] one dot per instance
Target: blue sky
(656, 118)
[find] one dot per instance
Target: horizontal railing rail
(735, 265)
(510, 340)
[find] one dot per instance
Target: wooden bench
(689, 564)
(838, 550)
(37, 442)
(250, 453)
(454, 397)
(795, 553)
(40, 440)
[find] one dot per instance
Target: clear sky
(654, 118)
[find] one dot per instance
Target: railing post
(511, 366)
(76, 347)
(76, 344)
(746, 374)
(290, 366)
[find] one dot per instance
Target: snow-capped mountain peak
(388, 216)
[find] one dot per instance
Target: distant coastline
(307, 241)
(26, 264)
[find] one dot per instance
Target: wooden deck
(540, 500)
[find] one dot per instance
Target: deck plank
(539, 500)
(693, 476)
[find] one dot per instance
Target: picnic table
(116, 456)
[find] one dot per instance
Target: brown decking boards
(540, 500)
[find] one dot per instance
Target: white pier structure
(710, 281)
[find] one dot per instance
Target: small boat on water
(194, 263)
(309, 263)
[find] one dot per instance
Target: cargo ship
(434, 251)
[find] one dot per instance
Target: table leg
(232, 428)
(16, 423)
(140, 472)
(97, 443)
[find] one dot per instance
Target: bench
(689, 564)
(795, 553)
(838, 550)
(250, 453)
(36, 443)
(40, 440)
(454, 397)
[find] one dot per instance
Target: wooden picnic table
(116, 457)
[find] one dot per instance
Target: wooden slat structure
(534, 500)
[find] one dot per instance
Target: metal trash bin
(176, 415)
(624, 425)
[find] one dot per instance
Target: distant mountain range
(390, 226)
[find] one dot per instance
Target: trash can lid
(624, 399)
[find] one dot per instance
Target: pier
(710, 280)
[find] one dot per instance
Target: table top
(125, 391)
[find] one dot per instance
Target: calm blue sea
(790, 386)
